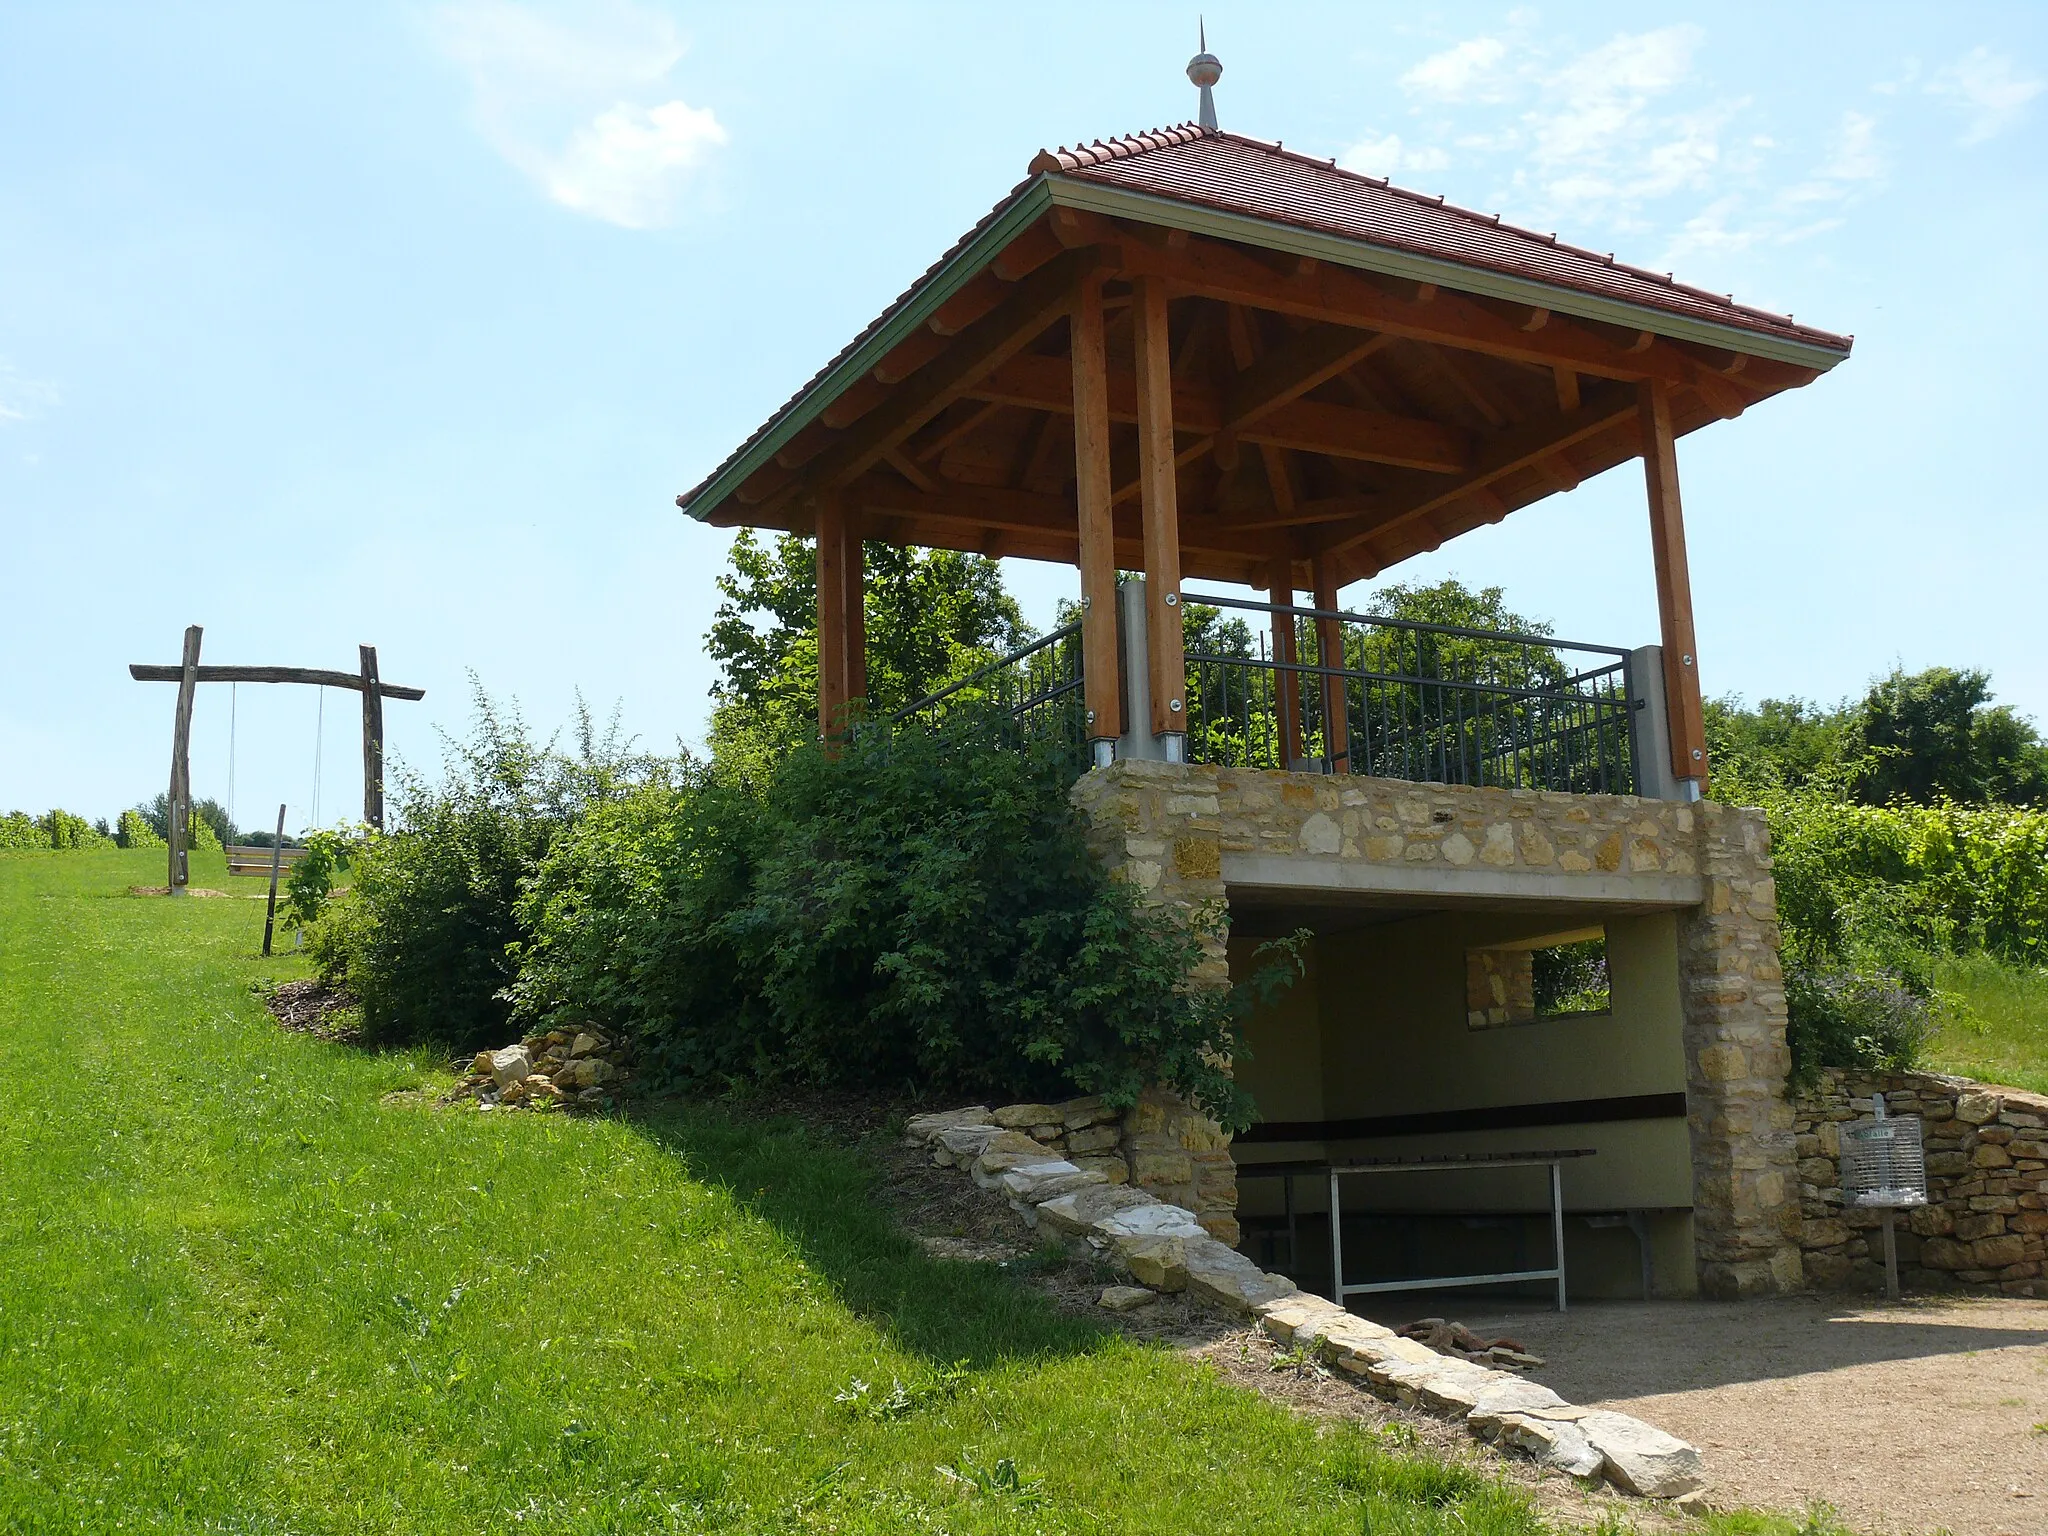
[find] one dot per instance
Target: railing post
(1137, 740)
(1649, 729)
(1330, 651)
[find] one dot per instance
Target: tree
(932, 617)
(1934, 734)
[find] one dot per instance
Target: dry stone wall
(1169, 828)
(1986, 1221)
(1164, 1248)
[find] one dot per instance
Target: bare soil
(307, 1007)
(1931, 1415)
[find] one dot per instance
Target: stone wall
(1179, 832)
(1746, 1211)
(1986, 1221)
(1161, 1145)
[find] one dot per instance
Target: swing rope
(234, 702)
(319, 730)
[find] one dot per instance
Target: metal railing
(1034, 694)
(1401, 699)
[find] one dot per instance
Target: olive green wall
(1379, 1027)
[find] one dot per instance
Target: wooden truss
(1117, 395)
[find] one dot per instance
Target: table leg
(1336, 1244)
(1557, 1226)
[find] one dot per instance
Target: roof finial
(1205, 69)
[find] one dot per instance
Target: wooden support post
(373, 740)
(855, 586)
(1092, 488)
(1330, 653)
(1674, 584)
(178, 816)
(1286, 685)
(276, 860)
(1158, 499)
(831, 536)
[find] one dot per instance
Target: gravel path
(1928, 1416)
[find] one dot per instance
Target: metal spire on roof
(1205, 69)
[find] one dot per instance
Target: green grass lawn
(245, 1289)
(1994, 1025)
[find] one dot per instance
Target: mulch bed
(309, 1007)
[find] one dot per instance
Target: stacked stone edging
(1986, 1220)
(1165, 829)
(1165, 1248)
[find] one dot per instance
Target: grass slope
(1994, 1025)
(240, 1292)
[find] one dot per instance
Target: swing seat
(256, 861)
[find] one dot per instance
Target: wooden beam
(1039, 383)
(1342, 296)
(143, 672)
(1289, 372)
(373, 740)
(832, 637)
(900, 461)
(1027, 253)
(1567, 389)
(1330, 653)
(1674, 584)
(1160, 510)
(178, 809)
(1503, 454)
(1033, 305)
(1102, 696)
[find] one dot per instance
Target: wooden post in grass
(178, 808)
(276, 858)
(373, 741)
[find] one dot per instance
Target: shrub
(134, 831)
(312, 879)
(52, 829)
(422, 940)
(1873, 1020)
(918, 910)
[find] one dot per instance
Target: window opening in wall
(1553, 977)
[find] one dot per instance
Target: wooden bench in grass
(256, 861)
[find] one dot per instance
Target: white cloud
(22, 399)
(579, 109)
(1469, 71)
(1983, 87)
(1389, 156)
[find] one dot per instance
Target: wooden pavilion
(1192, 353)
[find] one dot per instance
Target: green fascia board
(1119, 202)
(1026, 205)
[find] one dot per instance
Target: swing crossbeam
(189, 674)
(144, 672)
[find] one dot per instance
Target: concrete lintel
(1292, 872)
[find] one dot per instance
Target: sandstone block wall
(1986, 1223)
(1746, 1211)
(1168, 828)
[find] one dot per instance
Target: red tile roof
(1230, 172)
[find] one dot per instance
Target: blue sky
(404, 324)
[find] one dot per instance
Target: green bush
(423, 938)
(916, 911)
(1873, 1020)
(312, 878)
(52, 829)
(18, 829)
(134, 831)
